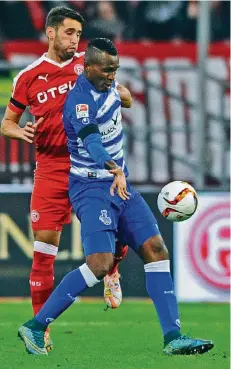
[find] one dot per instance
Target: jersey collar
(60, 65)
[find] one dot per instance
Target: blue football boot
(185, 345)
(33, 339)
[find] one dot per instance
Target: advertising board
(202, 251)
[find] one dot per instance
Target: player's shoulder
(26, 73)
(81, 97)
(79, 94)
(82, 90)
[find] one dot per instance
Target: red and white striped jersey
(43, 86)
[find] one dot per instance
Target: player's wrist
(15, 133)
(110, 164)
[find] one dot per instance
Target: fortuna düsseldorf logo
(78, 68)
(209, 246)
(34, 216)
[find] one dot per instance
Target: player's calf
(42, 273)
(120, 253)
(112, 288)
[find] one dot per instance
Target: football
(177, 201)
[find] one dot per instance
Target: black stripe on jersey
(17, 104)
(88, 130)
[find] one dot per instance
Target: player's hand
(119, 183)
(28, 132)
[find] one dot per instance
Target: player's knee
(101, 270)
(154, 249)
(49, 237)
(100, 264)
(157, 245)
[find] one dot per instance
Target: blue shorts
(131, 221)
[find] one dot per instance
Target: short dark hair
(103, 44)
(56, 16)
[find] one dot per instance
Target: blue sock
(65, 293)
(159, 286)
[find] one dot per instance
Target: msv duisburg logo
(104, 218)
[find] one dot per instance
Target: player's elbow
(127, 103)
(125, 96)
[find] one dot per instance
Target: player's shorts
(131, 221)
(50, 206)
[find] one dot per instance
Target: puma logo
(42, 77)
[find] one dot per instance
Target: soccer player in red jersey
(43, 86)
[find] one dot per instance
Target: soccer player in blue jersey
(108, 206)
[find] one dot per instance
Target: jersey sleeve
(83, 111)
(19, 101)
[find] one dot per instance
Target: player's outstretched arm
(11, 129)
(125, 95)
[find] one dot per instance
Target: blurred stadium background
(175, 61)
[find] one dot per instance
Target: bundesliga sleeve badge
(82, 111)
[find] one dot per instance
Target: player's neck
(53, 56)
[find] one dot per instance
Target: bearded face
(63, 51)
(64, 38)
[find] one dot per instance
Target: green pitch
(5, 91)
(86, 337)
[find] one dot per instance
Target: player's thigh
(50, 206)
(96, 215)
(137, 223)
(153, 249)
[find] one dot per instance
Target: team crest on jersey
(104, 218)
(78, 68)
(82, 111)
(34, 216)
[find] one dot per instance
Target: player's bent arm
(92, 143)
(91, 138)
(11, 129)
(9, 125)
(101, 156)
(125, 95)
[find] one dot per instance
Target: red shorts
(50, 206)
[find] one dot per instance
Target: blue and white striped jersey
(84, 106)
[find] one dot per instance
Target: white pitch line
(103, 323)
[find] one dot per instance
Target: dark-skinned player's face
(102, 73)
(66, 38)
